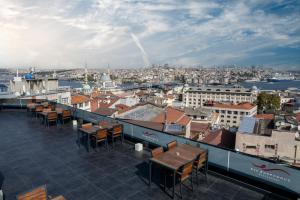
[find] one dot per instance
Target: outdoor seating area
(104, 132)
(179, 162)
(49, 113)
(33, 157)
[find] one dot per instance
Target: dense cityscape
(76, 125)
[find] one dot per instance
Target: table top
(178, 156)
(91, 130)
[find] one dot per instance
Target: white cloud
(66, 32)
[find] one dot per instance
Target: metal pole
(228, 160)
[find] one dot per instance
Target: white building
(232, 114)
(197, 96)
(82, 102)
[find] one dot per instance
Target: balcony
(32, 155)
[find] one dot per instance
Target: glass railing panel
(265, 171)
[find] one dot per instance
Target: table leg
(79, 135)
(88, 142)
(174, 178)
(150, 172)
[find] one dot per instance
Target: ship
(281, 78)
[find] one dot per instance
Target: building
(106, 84)
(202, 115)
(261, 138)
(30, 85)
(198, 96)
(81, 102)
(232, 114)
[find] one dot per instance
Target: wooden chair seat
(39, 193)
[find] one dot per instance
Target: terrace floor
(32, 155)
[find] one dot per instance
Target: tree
(268, 101)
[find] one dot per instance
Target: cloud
(65, 33)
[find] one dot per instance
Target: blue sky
(127, 33)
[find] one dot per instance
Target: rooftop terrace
(32, 155)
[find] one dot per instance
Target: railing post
(228, 160)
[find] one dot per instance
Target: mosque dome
(105, 78)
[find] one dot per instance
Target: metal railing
(285, 177)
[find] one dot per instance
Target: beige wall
(285, 145)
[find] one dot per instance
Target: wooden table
(175, 158)
(88, 132)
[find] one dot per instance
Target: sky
(137, 33)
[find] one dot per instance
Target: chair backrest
(66, 113)
(156, 152)
(172, 144)
(201, 159)
(52, 107)
(117, 129)
(187, 169)
(87, 125)
(39, 193)
(52, 115)
(39, 108)
(47, 110)
(101, 134)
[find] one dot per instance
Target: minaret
(85, 74)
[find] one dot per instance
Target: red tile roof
(105, 111)
(265, 116)
(76, 99)
(242, 106)
(222, 138)
(200, 127)
(172, 115)
(297, 116)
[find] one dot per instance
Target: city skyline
(141, 33)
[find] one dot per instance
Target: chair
(200, 164)
(51, 117)
(156, 152)
(117, 131)
(39, 193)
(100, 136)
(184, 174)
(66, 115)
(172, 145)
(38, 109)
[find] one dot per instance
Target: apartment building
(259, 137)
(232, 114)
(197, 96)
(81, 101)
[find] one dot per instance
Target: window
(250, 147)
(235, 112)
(80, 105)
(222, 116)
(269, 147)
(222, 120)
(222, 111)
(234, 122)
(228, 121)
(217, 111)
(241, 113)
(228, 116)
(234, 117)
(86, 104)
(229, 112)
(64, 100)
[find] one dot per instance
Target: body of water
(272, 85)
(259, 85)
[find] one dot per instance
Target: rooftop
(240, 106)
(32, 155)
